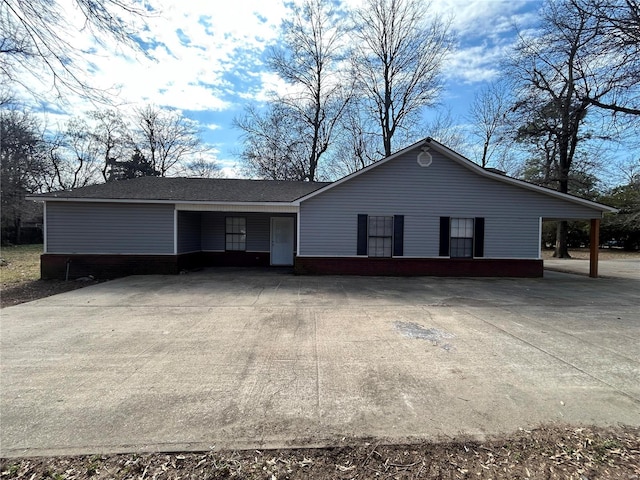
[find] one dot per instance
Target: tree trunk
(485, 149)
(17, 234)
(561, 250)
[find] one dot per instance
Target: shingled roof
(191, 190)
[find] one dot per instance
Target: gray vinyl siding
(258, 230)
(188, 232)
(328, 221)
(513, 237)
(116, 228)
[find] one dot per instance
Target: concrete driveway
(231, 359)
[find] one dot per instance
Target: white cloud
(194, 45)
(486, 17)
(486, 32)
(208, 57)
(474, 64)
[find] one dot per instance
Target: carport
(235, 235)
(594, 242)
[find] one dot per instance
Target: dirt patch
(549, 452)
(20, 273)
(15, 294)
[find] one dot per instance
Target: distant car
(613, 244)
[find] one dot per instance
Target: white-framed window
(461, 238)
(380, 236)
(236, 233)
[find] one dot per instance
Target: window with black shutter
(380, 235)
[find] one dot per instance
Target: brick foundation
(235, 259)
(114, 266)
(106, 266)
(439, 267)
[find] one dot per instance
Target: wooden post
(594, 247)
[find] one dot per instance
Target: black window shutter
(478, 238)
(362, 234)
(398, 235)
(445, 228)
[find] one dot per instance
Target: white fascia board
(465, 162)
(115, 254)
(175, 231)
(298, 232)
(98, 200)
(268, 207)
(280, 207)
(44, 228)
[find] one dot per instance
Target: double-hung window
(380, 236)
(461, 237)
(236, 233)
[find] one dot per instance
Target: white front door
(281, 240)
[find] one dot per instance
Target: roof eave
(514, 181)
(158, 201)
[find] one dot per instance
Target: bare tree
(6, 95)
(35, 40)
(615, 36)
(399, 51)
(112, 138)
(444, 128)
(74, 156)
(488, 116)
(202, 167)
(313, 47)
(23, 169)
(557, 75)
(355, 142)
(273, 143)
(167, 139)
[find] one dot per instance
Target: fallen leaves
(546, 452)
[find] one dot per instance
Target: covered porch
(230, 235)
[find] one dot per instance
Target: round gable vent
(424, 159)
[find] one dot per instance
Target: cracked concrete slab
(234, 358)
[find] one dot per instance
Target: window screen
(236, 233)
(380, 236)
(461, 237)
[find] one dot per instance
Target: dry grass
(20, 277)
(20, 263)
(605, 254)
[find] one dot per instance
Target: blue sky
(205, 59)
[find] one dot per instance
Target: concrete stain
(433, 335)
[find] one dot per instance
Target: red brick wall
(105, 266)
(441, 267)
(235, 259)
(114, 266)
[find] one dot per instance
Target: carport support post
(594, 245)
